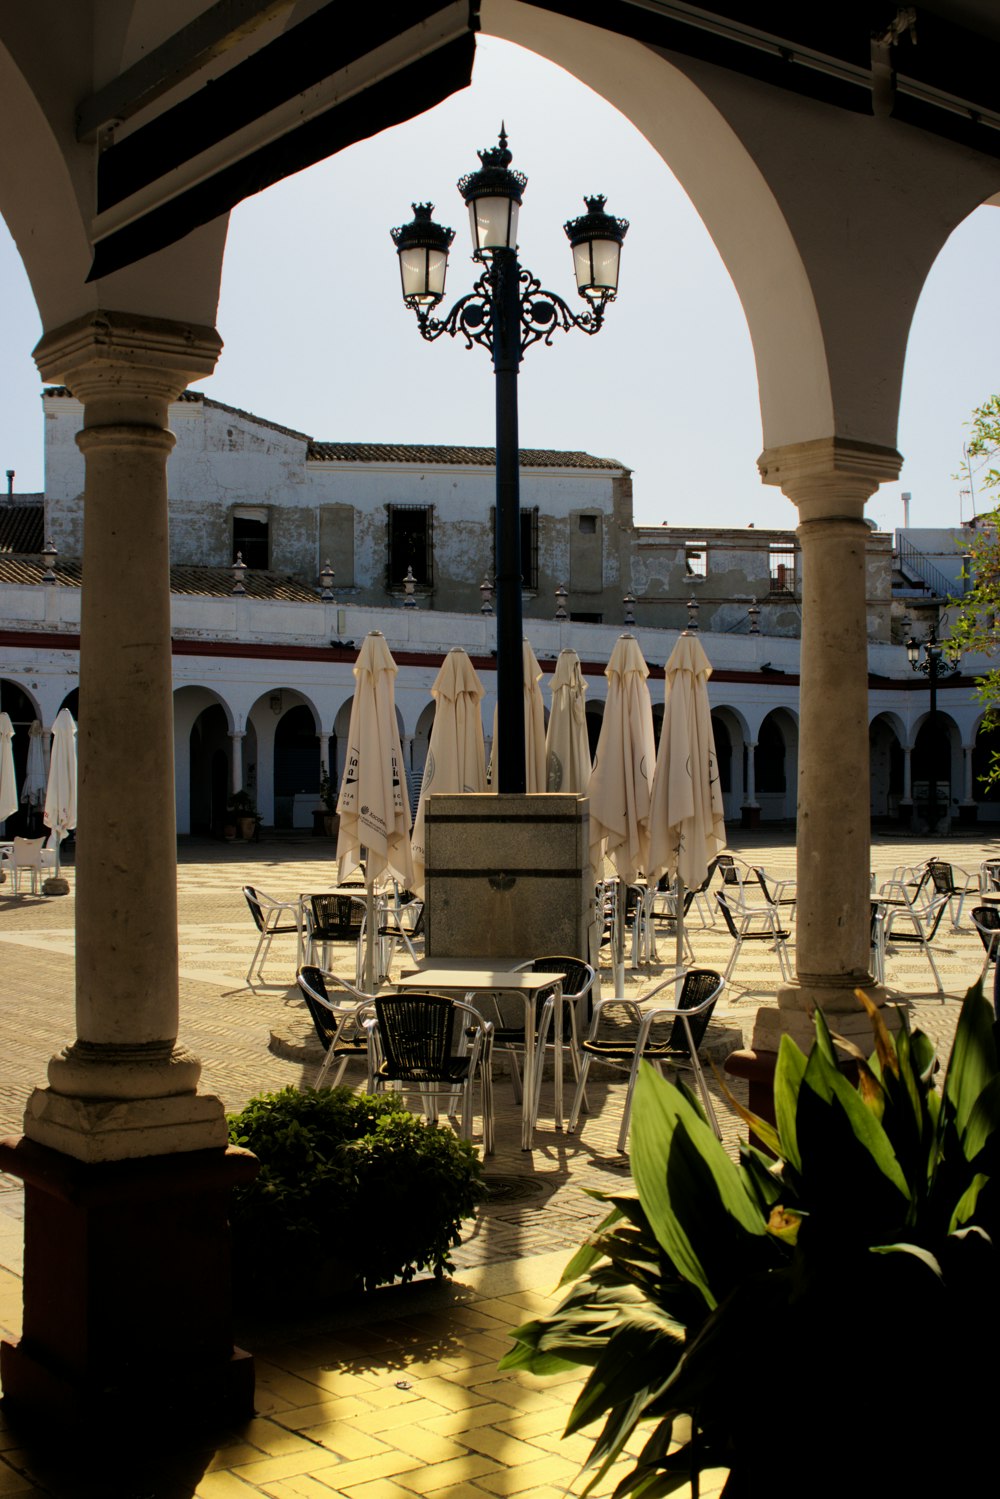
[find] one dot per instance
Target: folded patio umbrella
(456, 755)
(8, 782)
(686, 821)
(373, 806)
(567, 747)
(60, 794)
(534, 726)
(33, 785)
(620, 781)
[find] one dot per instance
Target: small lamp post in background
(486, 594)
(562, 594)
(409, 590)
(934, 665)
(629, 617)
(506, 312)
(239, 572)
(692, 608)
(326, 581)
(753, 615)
(48, 554)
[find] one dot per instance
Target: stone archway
(886, 757)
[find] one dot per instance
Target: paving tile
(528, 1477)
(224, 1486)
(471, 1466)
(336, 1409)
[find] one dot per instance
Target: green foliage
(781, 1318)
(241, 804)
(976, 622)
(327, 790)
(352, 1190)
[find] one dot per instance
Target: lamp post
(507, 312)
(934, 665)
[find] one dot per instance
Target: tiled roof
(204, 582)
(198, 398)
(399, 452)
(22, 524)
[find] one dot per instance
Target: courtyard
(397, 1395)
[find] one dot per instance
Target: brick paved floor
(401, 1395)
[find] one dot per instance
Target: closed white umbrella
(33, 785)
(567, 747)
(373, 805)
(620, 782)
(60, 794)
(534, 726)
(687, 826)
(456, 755)
(8, 782)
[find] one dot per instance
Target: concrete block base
(508, 876)
(127, 1290)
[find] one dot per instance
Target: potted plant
(779, 1318)
(328, 796)
(242, 810)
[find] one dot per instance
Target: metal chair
(878, 941)
(577, 987)
(676, 1044)
(925, 921)
(945, 883)
(339, 1026)
(401, 922)
(433, 1045)
(778, 893)
(269, 919)
(986, 920)
(333, 919)
(752, 924)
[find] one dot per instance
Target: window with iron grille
(410, 543)
(782, 569)
(529, 545)
(696, 559)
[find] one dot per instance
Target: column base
(127, 1290)
(844, 1013)
(968, 814)
(750, 817)
(120, 1129)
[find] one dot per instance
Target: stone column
(126, 1167)
(236, 779)
(125, 371)
(906, 800)
(324, 752)
(750, 810)
(830, 480)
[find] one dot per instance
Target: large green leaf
(635, 1363)
(973, 1059)
(671, 1143)
(788, 1074)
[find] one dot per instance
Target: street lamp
(934, 665)
(506, 312)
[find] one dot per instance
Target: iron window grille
(252, 538)
(781, 563)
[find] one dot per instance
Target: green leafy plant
(781, 1318)
(327, 790)
(352, 1190)
(241, 804)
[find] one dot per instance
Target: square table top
(478, 978)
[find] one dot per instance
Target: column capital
(121, 356)
(829, 477)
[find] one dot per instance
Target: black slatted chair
(945, 883)
(752, 924)
(578, 1007)
(395, 928)
(336, 919)
(986, 920)
(272, 918)
(666, 1035)
(433, 1045)
(339, 1021)
(924, 922)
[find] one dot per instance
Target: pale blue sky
(317, 338)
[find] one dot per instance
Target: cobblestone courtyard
(402, 1397)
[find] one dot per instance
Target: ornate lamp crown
(595, 223)
(494, 178)
(422, 232)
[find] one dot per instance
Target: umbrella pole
(679, 923)
(618, 942)
(369, 932)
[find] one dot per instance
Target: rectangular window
(529, 545)
(696, 559)
(410, 543)
(251, 536)
(782, 569)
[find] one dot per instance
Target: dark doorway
(296, 762)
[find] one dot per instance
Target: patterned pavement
(401, 1395)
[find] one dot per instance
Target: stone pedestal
(750, 817)
(127, 1312)
(508, 876)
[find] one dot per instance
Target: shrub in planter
(786, 1319)
(352, 1190)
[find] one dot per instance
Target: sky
(317, 338)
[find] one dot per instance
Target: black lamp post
(506, 312)
(934, 665)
